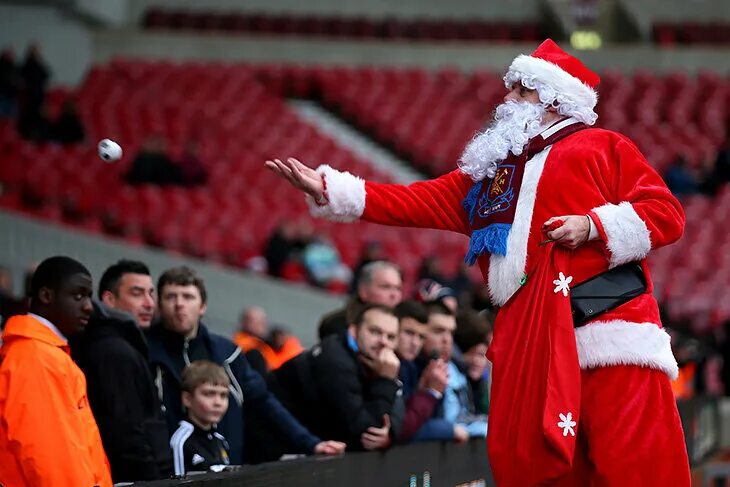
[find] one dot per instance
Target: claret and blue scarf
(491, 204)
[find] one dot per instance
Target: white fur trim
(561, 81)
(627, 234)
(506, 271)
(555, 86)
(618, 342)
(346, 195)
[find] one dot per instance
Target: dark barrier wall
(416, 465)
(702, 428)
(426, 464)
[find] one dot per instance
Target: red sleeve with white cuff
(435, 203)
(647, 215)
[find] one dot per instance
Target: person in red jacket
(541, 193)
(48, 436)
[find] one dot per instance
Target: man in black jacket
(347, 387)
(180, 338)
(112, 352)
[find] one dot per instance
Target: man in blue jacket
(180, 338)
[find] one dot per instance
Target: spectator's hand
(386, 364)
(376, 438)
(435, 376)
(461, 435)
(300, 176)
(572, 233)
(329, 448)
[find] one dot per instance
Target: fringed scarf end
(492, 240)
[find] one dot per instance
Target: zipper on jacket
(236, 390)
(186, 346)
(160, 391)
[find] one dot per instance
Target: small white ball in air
(109, 151)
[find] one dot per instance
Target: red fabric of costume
(629, 434)
(536, 379)
(627, 428)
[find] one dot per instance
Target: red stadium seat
(239, 116)
(337, 26)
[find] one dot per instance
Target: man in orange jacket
(264, 354)
(48, 436)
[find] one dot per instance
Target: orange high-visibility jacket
(48, 436)
(274, 358)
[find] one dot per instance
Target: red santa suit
(628, 432)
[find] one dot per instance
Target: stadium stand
(674, 23)
(670, 34)
(239, 120)
(239, 114)
(352, 27)
(513, 10)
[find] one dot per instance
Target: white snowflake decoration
(566, 422)
(562, 283)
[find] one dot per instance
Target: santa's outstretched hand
(570, 231)
(299, 175)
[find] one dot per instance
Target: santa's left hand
(573, 233)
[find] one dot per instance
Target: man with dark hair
(113, 354)
(181, 338)
(422, 388)
(449, 420)
(47, 431)
(413, 322)
(127, 286)
(380, 282)
(347, 386)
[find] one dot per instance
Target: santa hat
(560, 79)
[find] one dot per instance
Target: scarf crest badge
(500, 194)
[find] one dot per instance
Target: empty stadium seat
(238, 114)
(339, 26)
(668, 34)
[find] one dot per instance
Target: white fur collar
(505, 272)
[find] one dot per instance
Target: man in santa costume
(549, 203)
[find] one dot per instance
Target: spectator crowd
(128, 383)
(141, 389)
(159, 395)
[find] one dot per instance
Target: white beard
(513, 126)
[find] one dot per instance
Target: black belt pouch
(606, 291)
